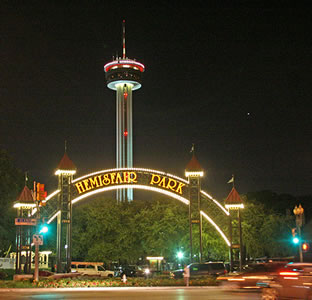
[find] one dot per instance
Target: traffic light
(305, 247)
(43, 227)
(295, 238)
(41, 194)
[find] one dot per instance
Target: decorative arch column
(65, 172)
(24, 204)
(234, 204)
(194, 172)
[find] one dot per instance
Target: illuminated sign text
(130, 177)
(167, 183)
(104, 180)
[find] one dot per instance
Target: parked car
(251, 275)
(129, 271)
(294, 281)
(202, 269)
(91, 269)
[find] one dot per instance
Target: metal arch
(155, 189)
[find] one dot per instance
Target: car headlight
(146, 271)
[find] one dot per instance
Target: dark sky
(235, 79)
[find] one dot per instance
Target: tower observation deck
(124, 75)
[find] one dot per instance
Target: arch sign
(137, 178)
(130, 178)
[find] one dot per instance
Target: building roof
(233, 198)
(193, 165)
(25, 196)
(66, 163)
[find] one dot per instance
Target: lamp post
(298, 212)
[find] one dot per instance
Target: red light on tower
(125, 133)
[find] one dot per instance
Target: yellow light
(234, 206)
(216, 202)
(46, 252)
(24, 205)
(65, 172)
(131, 169)
(194, 174)
(51, 195)
(151, 188)
(154, 257)
(124, 186)
(53, 217)
(216, 227)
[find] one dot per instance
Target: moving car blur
(202, 269)
(294, 281)
(251, 275)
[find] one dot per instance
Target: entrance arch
(144, 179)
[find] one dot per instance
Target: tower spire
(123, 39)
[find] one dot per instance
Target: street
(152, 293)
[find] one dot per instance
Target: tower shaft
(124, 134)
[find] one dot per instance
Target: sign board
(195, 221)
(27, 247)
(27, 221)
(38, 239)
(235, 246)
(131, 177)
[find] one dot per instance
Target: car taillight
(289, 273)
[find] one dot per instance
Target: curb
(23, 290)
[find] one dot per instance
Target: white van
(91, 269)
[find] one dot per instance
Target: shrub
(3, 275)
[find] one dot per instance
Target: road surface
(132, 293)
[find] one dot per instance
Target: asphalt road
(158, 293)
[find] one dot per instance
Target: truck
(94, 269)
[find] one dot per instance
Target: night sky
(234, 79)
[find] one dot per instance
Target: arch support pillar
(64, 225)
(65, 171)
(194, 172)
(195, 219)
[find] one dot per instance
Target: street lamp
(298, 212)
(180, 256)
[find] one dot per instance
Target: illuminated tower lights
(124, 75)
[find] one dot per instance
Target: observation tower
(124, 75)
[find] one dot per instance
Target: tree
(11, 184)
(127, 232)
(265, 233)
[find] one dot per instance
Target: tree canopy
(128, 232)
(11, 184)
